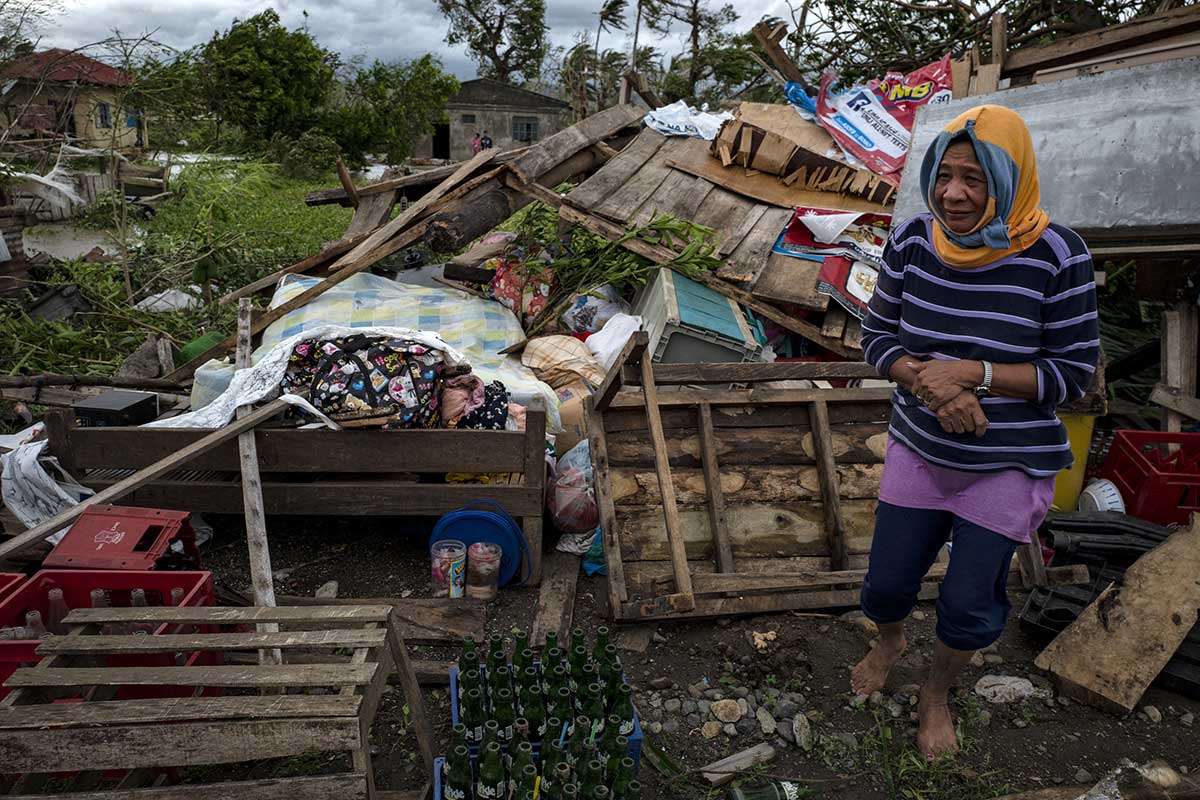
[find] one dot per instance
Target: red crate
(9, 581)
(122, 537)
(77, 585)
(1158, 474)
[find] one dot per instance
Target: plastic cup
(448, 562)
(483, 570)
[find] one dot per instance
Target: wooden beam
(314, 261)
(215, 642)
(722, 772)
(1180, 331)
(556, 598)
(1174, 400)
(261, 575)
(347, 183)
(666, 486)
(831, 503)
(633, 351)
(756, 397)
(348, 786)
(222, 676)
(716, 495)
(113, 381)
(598, 447)
(712, 374)
(123, 487)
(769, 39)
(999, 39)
(412, 692)
(336, 613)
(641, 85)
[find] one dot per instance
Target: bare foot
(936, 736)
(870, 674)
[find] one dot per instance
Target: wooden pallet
(262, 712)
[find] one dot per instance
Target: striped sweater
(1036, 306)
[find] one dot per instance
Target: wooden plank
(372, 211)
(663, 198)
(716, 495)
(716, 374)
(118, 490)
(181, 744)
(557, 148)
(744, 484)
(176, 709)
(768, 38)
(289, 450)
(1113, 650)
(1179, 344)
(851, 444)
(179, 643)
(347, 184)
(1173, 399)
(534, 471)
(624, 201)
(331, 612)
(598, 448)
(231, 677)
(723, 212)
(619, 169)
(383, 234)
(633, 350)
(1029, 559)
(748, 259)
(785, 279)
(327, 254)
(769, 416)
(347, 786)
(304, 298)
(412, 694)
(261, 574)
(721, 772)
(635, 638)
(751, 397)
(556, 599)
(852, 337)
(666, 487)
(831, 504)
(421, 620)
(835, 323)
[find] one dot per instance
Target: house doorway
(441, 141)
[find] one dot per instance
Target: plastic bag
(562, 360)
(607, 344)
(590, 311)
(680, 119)
(572, 499)
(873, 121)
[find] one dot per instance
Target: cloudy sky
(386, 29)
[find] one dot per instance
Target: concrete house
(512, 116)
(59, 93)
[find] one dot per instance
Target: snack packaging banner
(873, 121)
(818, 232)
(848, 281)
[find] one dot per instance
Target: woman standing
(985, 317)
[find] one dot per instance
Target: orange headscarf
(1013, 218)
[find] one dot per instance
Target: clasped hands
(946, 388)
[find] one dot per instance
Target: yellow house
(60, 94)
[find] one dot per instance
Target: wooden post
(685, 600)
(347, 183)
(769, 38)
(256, 519)
(412, 691)
(716, 495)
(1178, 370)
(831, 503)
(535, 478)
(598, 443)
(999, 39)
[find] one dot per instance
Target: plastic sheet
(680, 119)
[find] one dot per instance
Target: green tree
(611, 16)
(506, 38)
(707, 40)
(264, 78)
(390, 106)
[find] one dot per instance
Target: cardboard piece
(571, 400)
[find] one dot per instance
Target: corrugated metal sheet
(1118, 153)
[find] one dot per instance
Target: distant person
(476, 144)
(486, 142)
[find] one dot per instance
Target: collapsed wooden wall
(769, 479)
(14, 277)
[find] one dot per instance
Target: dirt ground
(856, 750)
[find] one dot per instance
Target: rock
(918, 614)
(656, 714)
(693, 720)
(743, 706)
(656, 727)
(727, 710)
(660, 683)
(1187, 720)
(858, 702)
(658, 638)
(1007, 689)
(765, 720)
(327, 591)
(741, 691)
(696, 691)
(876, 698)
(689, 706)
(672, 705)
(977, 659)
(785, 730)
(1020, 723)
(786, 709)
(714, 694)
(1083, 776)
(802, 732)
(1152, 714)
(751, 704)
(670, 726)
(848, 739)
(894, 708)
(710, 729)
(656, 701)
(860, 621)
(729, 729)
(985, 718)
(703, 708)
(747, 725)
(992, 658)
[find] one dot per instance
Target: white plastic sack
(31, 492)
(680, 119)
(1007, 689)
(590, 311)
(606, 345)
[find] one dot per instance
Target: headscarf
(1012, 219)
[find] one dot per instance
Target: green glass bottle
(535, 714)
(497, 679)
(474, 716)
(577, 638)
(601, 643)
(560, 778)
(560, 679)
(550, 757)
(619, 778)
(526, 794)
(552, 657)
(593, 708)
(591, 775)
(614, 679)
(608, 740)
(471, 680)
(575, 664)
(491, 733)
(551, 643)
(458, 736)
(521, 757)
(581, 742)
(491, 784)
(505, 714)
(496, 656)
(612, 769)
(563, 706)
(530, 677)
(520, 731)
(600, 793)
(458, 776)
(771, 790)
(520, 645)
(570, 792)
(624, 709)
(527, 780)
(633, 790)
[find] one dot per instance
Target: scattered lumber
(156, 470)
(421, 620)
(1110, 654)
(722, 772)
(115, 382)
(769, 38)
(556, 598)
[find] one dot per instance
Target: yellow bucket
(1069, 483)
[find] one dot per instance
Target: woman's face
(961, 190)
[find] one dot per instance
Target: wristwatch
(985, 387)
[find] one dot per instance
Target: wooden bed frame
(323, 472)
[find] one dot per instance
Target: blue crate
(437, 778)
(634, 750)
